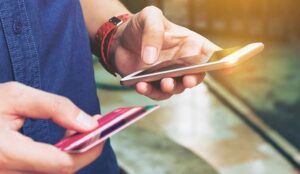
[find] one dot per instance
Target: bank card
(108, 125)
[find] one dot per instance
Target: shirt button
(17, 27)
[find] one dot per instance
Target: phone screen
(187, 61)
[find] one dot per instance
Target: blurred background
(243, 122)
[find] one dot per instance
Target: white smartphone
(188, 65)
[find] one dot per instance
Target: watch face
(116, 21)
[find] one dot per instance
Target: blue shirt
(44, 44)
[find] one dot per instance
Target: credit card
(108, 125)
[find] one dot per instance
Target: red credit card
(109, 125)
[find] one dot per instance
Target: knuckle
(12, 83)
(151, 9)
(12, 88)
(11, 93)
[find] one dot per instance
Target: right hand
(20, 154)
(147, 38)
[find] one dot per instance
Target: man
(45, 46)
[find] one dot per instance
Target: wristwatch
(104, 38)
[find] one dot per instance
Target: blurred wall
(266, 18)
(270, 19)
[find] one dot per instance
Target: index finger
(22, 100)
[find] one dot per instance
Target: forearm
(97, 12)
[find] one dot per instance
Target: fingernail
(150, 55)
(86, 121)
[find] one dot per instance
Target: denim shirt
(44, 44)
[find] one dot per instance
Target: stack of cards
(109, 124)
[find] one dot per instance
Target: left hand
(20, 154)
(148, 38)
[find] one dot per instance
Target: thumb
(72, 132)
(152, 21)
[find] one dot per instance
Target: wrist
(98, 12)
(106, 41)
(115, 44)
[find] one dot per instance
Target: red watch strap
(104, 38)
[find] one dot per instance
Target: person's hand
(148, 38)
(20, 154)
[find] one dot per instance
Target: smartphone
(190, 65)
(108, 125)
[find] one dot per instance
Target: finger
(72, 132)
(33, 158)
(168, 85)
(15, 172)
(143, 88)
(190, 81)
(190, 48)
(208, 48)
(179, 87)
(148, 90)
(152, 21)
(27, 101)
(172, 86)
(83, 159)
(173, 40)
(69, 133)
